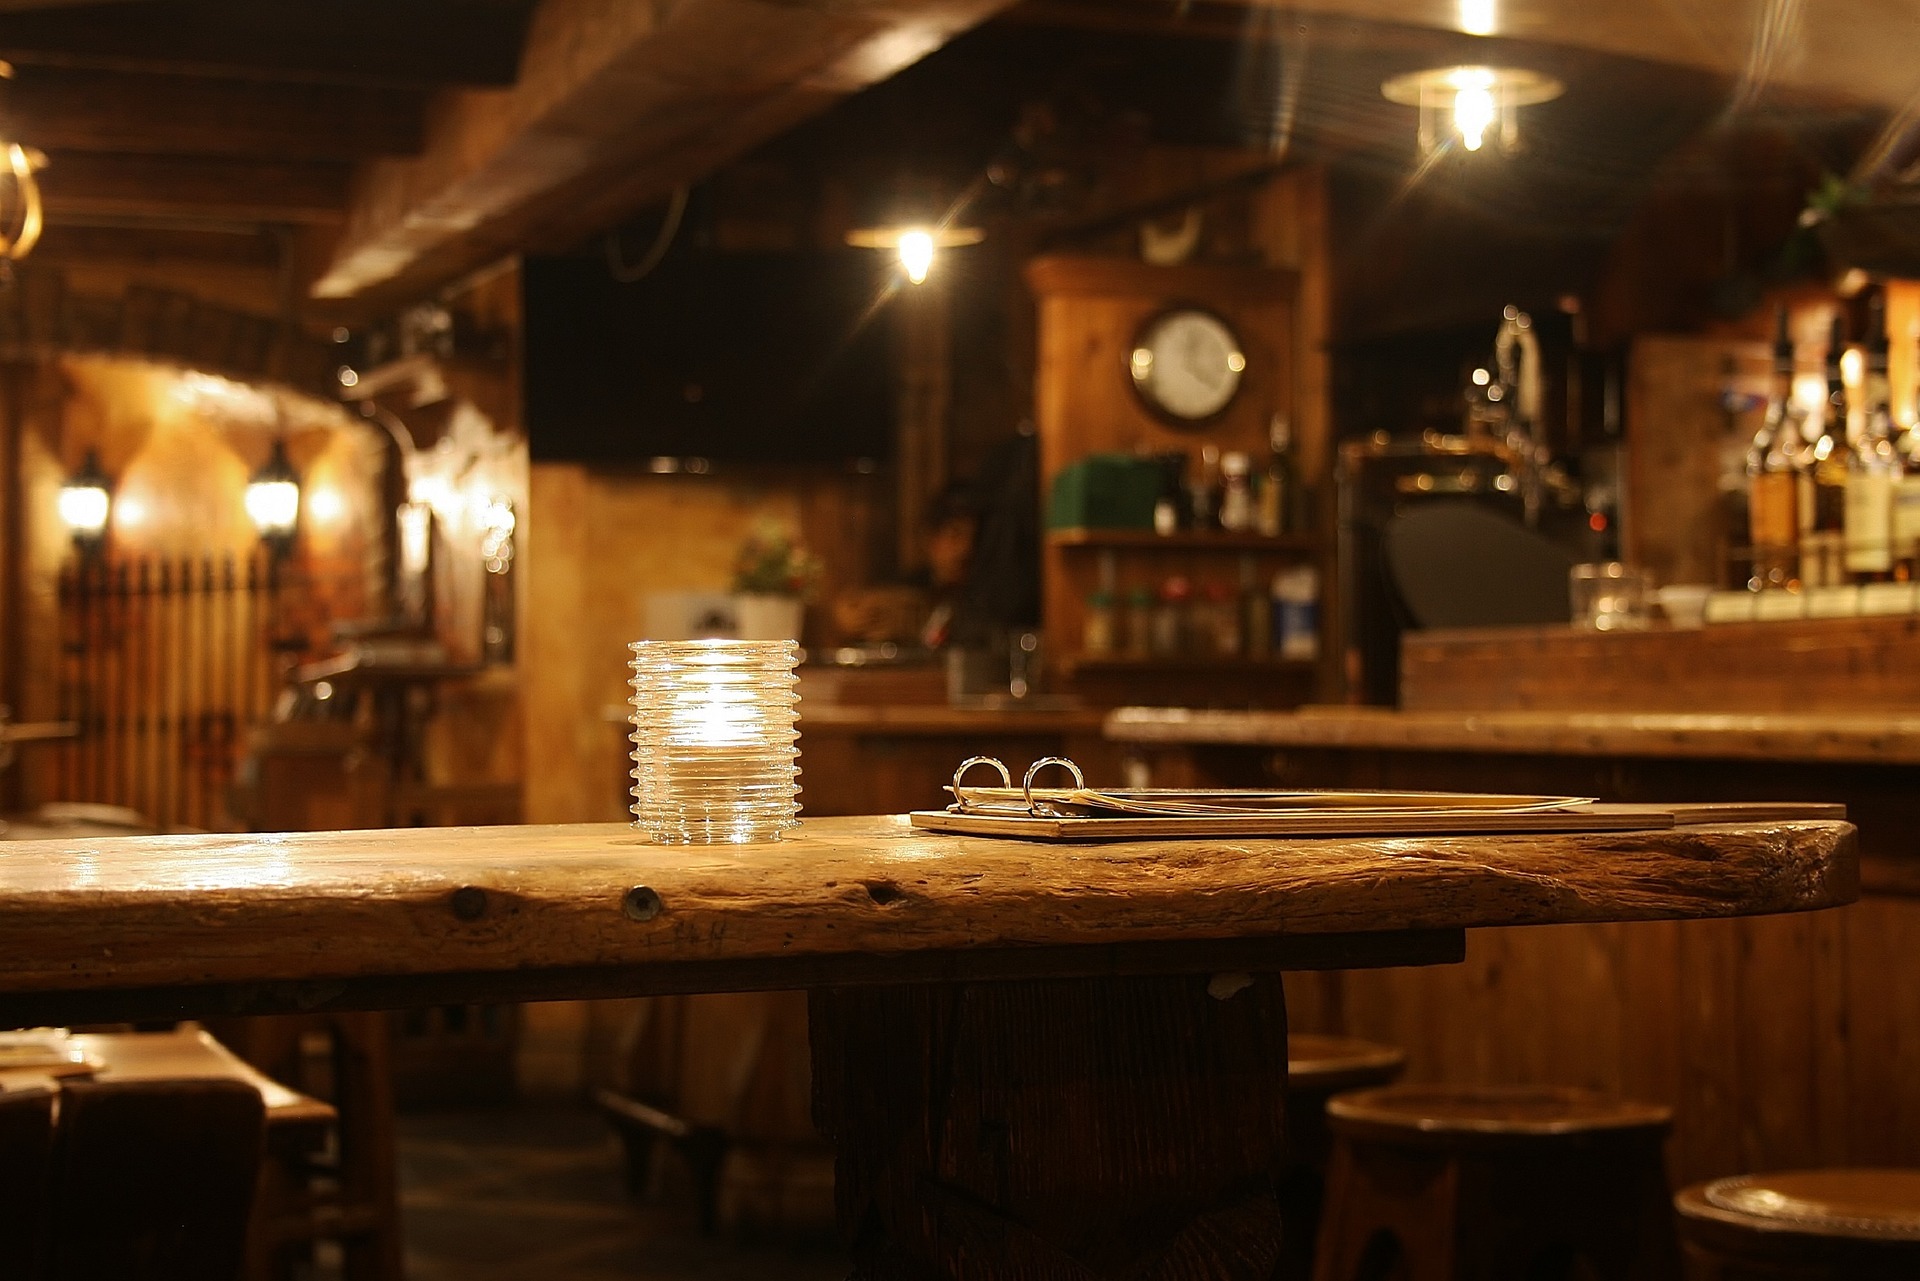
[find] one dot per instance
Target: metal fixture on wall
(21, 213)
(86, 502)
(1467, 104)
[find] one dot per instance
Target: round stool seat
(1326, 1064)
(1453, 1113)
(1860, 1205)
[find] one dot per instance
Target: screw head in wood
(641, 904)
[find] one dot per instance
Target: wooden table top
(1890, 739)
(184, 925)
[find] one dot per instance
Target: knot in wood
(884, 892)
(469, 902)
(641, 904)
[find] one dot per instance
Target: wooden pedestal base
(1056, 1130)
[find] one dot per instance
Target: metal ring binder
(1040, 809)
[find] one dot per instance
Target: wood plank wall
(1779, 1042)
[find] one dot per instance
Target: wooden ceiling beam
(399, 43)
(88, 186)
(63, 111)
(616, 104)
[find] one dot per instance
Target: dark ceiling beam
(83, 186)
(159, 245)
(398, 43)
(61, 111)
(617, 103)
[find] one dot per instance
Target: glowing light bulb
(1478, 17)
(1473, 114)
(83, 509)
(916, 254)
(273, 506)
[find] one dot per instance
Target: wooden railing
(165, 664)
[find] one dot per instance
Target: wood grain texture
(1866, 665)
(175, 910)
(1877, 739)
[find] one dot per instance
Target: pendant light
(1468, 104)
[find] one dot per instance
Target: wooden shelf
(1221, 666)
(1186, 541)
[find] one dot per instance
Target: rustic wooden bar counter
(1033, 1059)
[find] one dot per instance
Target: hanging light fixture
(20, 208)
(1469, 104)
(916, 245)
(273, 501)
(85, 503)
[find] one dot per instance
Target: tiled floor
(537, 1194)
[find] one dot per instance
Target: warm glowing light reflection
(327, 504)
(1479, 17)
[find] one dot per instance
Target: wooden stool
(1804, 1225)
(1319, 1067)
(1438, 1183)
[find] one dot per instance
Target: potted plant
(773, 578)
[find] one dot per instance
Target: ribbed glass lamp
(715, 754)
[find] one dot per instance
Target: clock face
(1187, 364)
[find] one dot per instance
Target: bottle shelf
(1184, 541)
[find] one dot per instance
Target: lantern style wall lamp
(86, 501)
(1467, 104)
(273, 501)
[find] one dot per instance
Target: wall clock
(1187, 364)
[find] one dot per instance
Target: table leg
(1056, 1129)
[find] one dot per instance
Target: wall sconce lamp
(273, 501)
(1468, 103)
(916, 246)
(86, 501)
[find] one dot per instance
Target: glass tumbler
(715, 755)
(1608, 596)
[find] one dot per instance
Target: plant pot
(766, 618)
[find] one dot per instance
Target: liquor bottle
(1873, 472)
(1823, 520)
(1906, 503)
(1773, 484)
(1279, 493)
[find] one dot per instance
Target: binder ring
(1040, 809)
(960, 797)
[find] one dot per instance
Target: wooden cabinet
(1091, 311)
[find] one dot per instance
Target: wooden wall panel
(1779, 1041)
(1818, 665)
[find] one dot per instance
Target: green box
(1105, 491)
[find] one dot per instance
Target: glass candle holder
(715, 755)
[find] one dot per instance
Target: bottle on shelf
(1773, 486)
(1168, 633)
(1906, 501)
(1256, 613)
(1100, 625)
(1823, 488)
(1236, 493)
(1219, 610)
(1203, 492)
(1873, 471)
(1296, 613)
(1276, 511)
(1139, 623)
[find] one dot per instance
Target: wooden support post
(1056, 1130)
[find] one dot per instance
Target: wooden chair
(351, 1194)
(1803, 1225)
(1464, 1183)
(1319, 1067)
(153, 1180)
